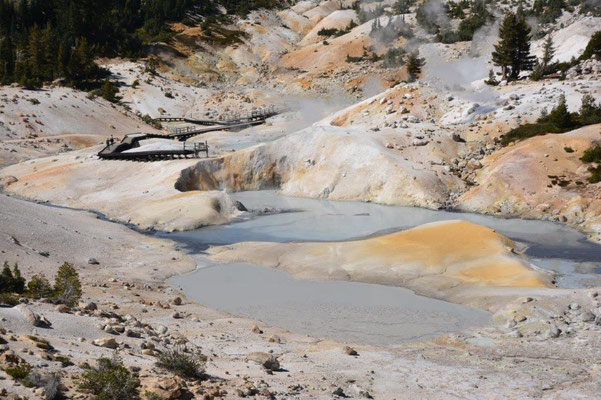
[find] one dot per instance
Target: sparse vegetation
(592, 155)
(333, 32)
(492, 79)
(19, 372)
(110, 380)
(183, 362)
(394, 57)
(559, 120)
(152, 122)
(403, 6)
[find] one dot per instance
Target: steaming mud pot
(351, 311)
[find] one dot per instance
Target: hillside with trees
(42, 40)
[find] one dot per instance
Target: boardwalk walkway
(119, 150)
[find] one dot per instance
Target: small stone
(350, 351)
(176, 301)
(274, 339)
(256, 329)
(93, 261)
(527, 300)
(339, 392)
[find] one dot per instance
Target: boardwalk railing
(254, 115)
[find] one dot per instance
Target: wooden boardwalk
(250, 118)
(119, 150)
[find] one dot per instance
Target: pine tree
(590, 112)
(548, 53)
(414, 65)
(67, 287)
(110, 91)
(7, 61)
(512, 51)
(6, 278)
(560, 116)
(18, 284)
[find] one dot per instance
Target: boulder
(420, 142)
(29, 315)
(165, 387)
(457, 138)
(108, 342)
(63, 308)
(474, 164)
(91, 306)
(587, 317)
(7, 180)
(266, 360)
(349, 351)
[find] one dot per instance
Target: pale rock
(110, 343)
(268, 361)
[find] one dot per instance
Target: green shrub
(152, 396)
(327, 32)
(152, 122)
(67, 287)
(592, 155)
(528, 131)
(110, 380)
(19, 372)
(559, 120)
(595, 174)
(394, 57)
(9, 299)
(38, 287)
(183, 362)
(568, 149)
